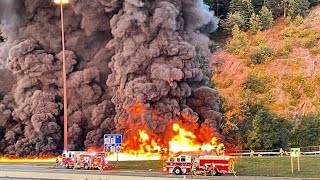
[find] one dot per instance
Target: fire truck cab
(69, 157)
(207, 165)
(178, 165)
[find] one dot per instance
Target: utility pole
(64, 75)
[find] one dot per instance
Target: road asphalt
(26, 172)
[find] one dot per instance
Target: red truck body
(83, 159)
(209, 164)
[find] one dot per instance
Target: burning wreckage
(131, 69)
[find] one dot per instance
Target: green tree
(220, 7)
(275, 6)
(234, 19)
(269, 131)
(266, 18)
(244, 7)
(307, 133)
(211, 3)
(298, 7)
(255, 24)
(314, 2)
(239, 43)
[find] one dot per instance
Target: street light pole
(65, 102)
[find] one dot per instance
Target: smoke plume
(122, 56)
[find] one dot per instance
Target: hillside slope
(286, 79)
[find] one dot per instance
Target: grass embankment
(278, 167)
(259, 166)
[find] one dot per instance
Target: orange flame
(28, 159)
(142, 144)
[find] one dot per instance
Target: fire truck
(83, 159)
(69, 158)
(208, 164)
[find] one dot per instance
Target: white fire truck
(207, 165)
(83, 159)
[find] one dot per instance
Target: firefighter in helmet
(194, 167)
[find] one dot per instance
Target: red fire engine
(83, 159)
(209, 164)
(69, 158)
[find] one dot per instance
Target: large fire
(29, 159)
(142, 144)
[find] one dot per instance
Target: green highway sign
(295, 152)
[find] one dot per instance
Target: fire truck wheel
(67, 166)
(214, 172)
(86, 167)
(177, 171)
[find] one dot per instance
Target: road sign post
(295, 152)
(113, 143)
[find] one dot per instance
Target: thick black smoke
(144, 50)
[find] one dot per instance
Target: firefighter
(251, 154)
(281, 152)
(194, 167)
(76, 165)
(206, 169)
(57, 162)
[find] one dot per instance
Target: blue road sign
(112, 142)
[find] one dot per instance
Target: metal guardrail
(271, 153)
(255, 153)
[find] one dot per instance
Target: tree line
(255, 126)
(258, 128)
(256, 14)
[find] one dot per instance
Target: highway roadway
(26, 172)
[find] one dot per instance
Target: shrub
(298, 20)
(255, 84)
(285, 50)
(261, 55)
(309, 89)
